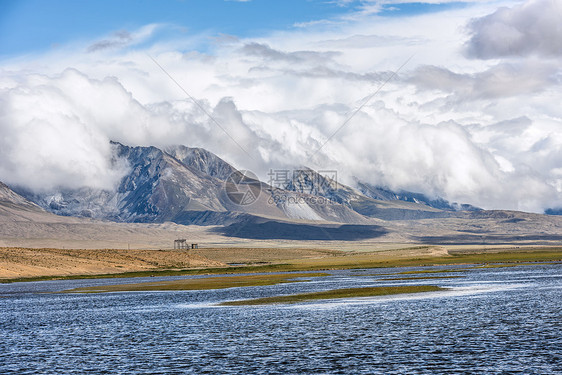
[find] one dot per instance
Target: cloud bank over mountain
(473, 117)
(531, 28)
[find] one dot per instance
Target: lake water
(491, 321)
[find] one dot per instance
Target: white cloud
(502, 80)
(50, 137)
(123, 38)
(532, 28)
(471, 131)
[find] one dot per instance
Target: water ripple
(488, 323)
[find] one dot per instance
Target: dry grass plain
(18, 264)
(37, 244)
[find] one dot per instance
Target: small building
(180, 244)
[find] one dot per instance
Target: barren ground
(34, 243)
(17, 262)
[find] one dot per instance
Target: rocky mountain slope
(8, 196)
(23, 223)
(186, 186)
(381, 193)
(202, 160)
(193, 186)
(308, 181)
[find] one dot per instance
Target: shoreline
(249, 260)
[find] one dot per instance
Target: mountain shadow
(489, 239)
(275, 230)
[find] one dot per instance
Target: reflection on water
(490, 321)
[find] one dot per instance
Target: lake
(504, 320)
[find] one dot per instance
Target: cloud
(367, 41)
(54, 132)
(502, 80)
(120, 39)
(468, 130)
(266, 52)
(320, 72)
(123, 38)
(532, 28)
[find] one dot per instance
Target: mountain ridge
(7, 195)
(194, 186)
(176, 187)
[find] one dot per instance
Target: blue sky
(32, 25)
(28, 26)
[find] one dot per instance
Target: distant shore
(25, 264)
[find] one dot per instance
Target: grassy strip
(495, 265)
(202, 283)
(342, 262)
(158, 273)
(503, 265)
(512, 257)
(373, 261)
(420, 278)
(334, 294)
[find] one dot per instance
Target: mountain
(186, 185)
(161, 190)
(202, 160)
(553, 211)
(194, 186)
(8, 196)
(157, 188)
(15, 208)
(384, 194)
(17, 211)
(308, 181)
(24, 224)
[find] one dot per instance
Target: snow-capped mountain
(384, 194)
(183, 185)
(194, 186)
(8, 196)
(202, 160)
(156, 189)
(308, 181)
